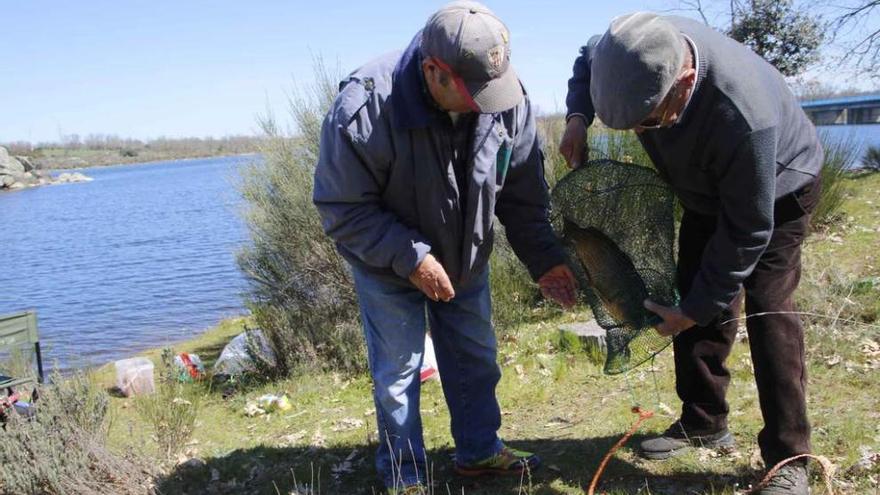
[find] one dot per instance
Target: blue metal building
(846, 110)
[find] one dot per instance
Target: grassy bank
(555, 401)
(60, 158)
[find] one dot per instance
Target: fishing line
(804, 313)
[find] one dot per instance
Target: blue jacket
(386, 190)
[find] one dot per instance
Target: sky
(145, 69)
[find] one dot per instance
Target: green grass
(556, 403)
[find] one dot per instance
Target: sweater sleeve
(578, 100)
(747, 187)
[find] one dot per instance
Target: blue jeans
(394, 319)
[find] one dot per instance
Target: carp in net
(618, 225)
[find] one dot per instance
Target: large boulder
(27, 178)
(18, 180)
(6, 180)
(4, 157)
(12, 166)
(26, 163)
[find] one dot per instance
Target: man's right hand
(430, 278)
(573, 146)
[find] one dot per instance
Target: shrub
(171, 412)
(62, 449)
(622, 146)
(840, 157)
(301, 291)
(514, 294)
(603, 143)
(871, 161)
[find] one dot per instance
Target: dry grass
(62, 449)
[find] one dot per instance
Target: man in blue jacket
(419, 153)
(723, 129)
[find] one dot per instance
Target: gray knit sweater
(742, 142)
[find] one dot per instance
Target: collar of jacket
(412, 109)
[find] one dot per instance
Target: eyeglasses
(656, 122)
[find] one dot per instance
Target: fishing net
(617, 222)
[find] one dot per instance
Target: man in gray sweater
(726, 133)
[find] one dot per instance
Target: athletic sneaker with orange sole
(506, 462)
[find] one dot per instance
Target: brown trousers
(776, 341)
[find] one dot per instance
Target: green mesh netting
(618, 225)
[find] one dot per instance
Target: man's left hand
(674, 321)
(560, 285)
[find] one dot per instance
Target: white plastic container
(135, 376)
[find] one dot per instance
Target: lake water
(141, 257)
(860, 136)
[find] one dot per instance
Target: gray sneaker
(791, 479)
(676, 440)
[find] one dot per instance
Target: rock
(68, 177)
(584, 329)
(26, 162)
(588, 332)
(20, 172)
(13, 166)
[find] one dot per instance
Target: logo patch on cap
(496, 57)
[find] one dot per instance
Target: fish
(611, 274)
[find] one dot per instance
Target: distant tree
(776, 30)
(71, 141)
(858, 20)
(783, 33)
(814, 89)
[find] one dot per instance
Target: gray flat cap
(475, 45)
(633, 67)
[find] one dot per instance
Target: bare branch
(695, 6)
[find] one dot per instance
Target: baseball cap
(474, 45)
(634, 65)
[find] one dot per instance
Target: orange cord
(827, 472)
(643, 416)
(827, 467)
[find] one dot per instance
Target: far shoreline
(48, 165)
(147, 162)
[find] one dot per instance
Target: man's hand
(560, 285)
(430, 278)
(674, 321)
(573, 146)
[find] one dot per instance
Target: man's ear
(429, 68)
(689, 76)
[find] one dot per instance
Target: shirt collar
(698, 64)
